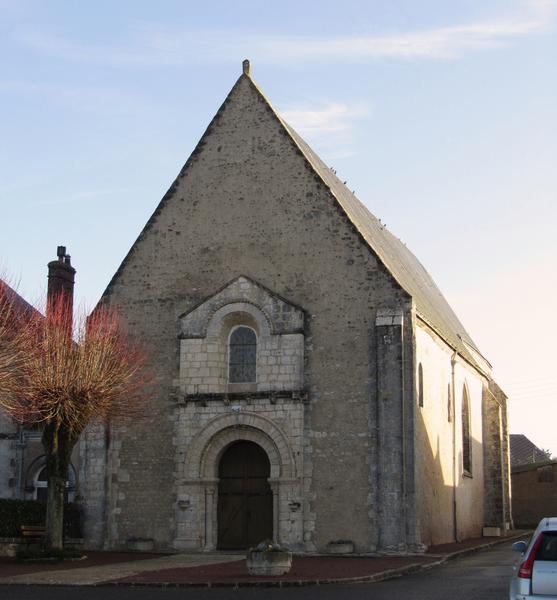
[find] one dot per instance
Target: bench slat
(33, 530)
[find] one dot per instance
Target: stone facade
(202, 435)
(251, 235)
(204, 341)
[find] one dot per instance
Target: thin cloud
(91, 99)
(331, 127)
(157, 46)
(333, 118)
(87, 196)
(53, 198)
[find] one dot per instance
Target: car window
(547, 550)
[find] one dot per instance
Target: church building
(313, 384)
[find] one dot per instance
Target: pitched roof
(408, 271)
(524, 451)
(22, 309)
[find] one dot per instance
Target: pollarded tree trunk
(55, 512)
(58, 443)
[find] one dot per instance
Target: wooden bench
(33, 533)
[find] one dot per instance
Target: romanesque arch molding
(213, 439)
(218, 317)
(224, 438)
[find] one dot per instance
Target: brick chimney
(61, 277)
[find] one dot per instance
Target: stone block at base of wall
(340, 547)
(9, 546)
(141, 544)
(491, 532)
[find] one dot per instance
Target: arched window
(242, 355)
(39, 483)
(420, 385)
(466, 437)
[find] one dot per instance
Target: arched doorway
(245, 499)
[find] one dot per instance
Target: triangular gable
(281, 315)
(404, 267)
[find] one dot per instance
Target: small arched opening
(466, 434)
(242, 355)
(420, 386)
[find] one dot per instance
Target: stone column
(211, 487)
(496, 497)
(92, 484)
(506, 461)
(275, 488)
(391, 472)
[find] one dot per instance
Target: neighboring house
(534, 492)
(313, 382)
(22, 459)
(524, 452)
(533, 482)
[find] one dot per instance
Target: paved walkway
(221, 569)
(73, 574)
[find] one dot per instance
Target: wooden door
(245, 501)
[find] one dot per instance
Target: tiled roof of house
(21, 307)
(523, 451)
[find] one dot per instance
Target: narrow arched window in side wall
(420, 385)
(242, 355)
(466, 437)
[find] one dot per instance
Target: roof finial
(246, 68)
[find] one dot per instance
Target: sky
(442, 116)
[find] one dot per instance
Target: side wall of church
(249, 204)
(442, 481)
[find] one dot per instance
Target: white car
(535, 574)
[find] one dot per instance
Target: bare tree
(13, 319)
(63, 377)
(548, 453)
